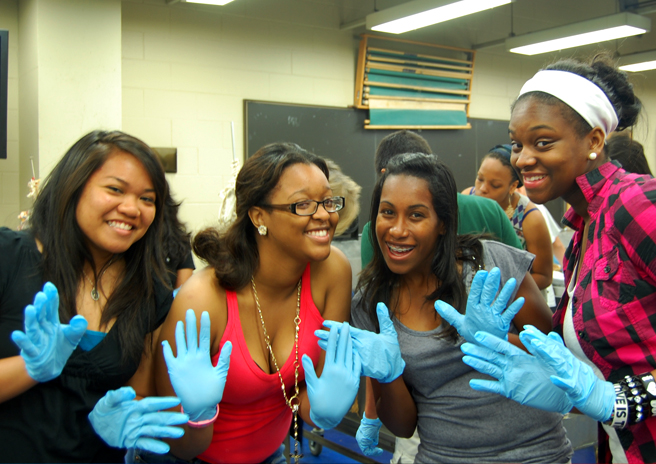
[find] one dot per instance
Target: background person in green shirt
(475, 214)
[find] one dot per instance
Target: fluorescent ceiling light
(578, 34)
(422, 13)
(638, 62)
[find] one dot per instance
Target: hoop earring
(262, 230)
(592, 156)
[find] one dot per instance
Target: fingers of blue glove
(114, 398)
(169, 359)
(204, 338)
(345, 348)
(192, 331)
(504, 296)
(495, 343)
(74, 330)
(223, 364)
(152, 445)
(449, 314)
(52, 302)
(23, 342)
(33, 328)
(567, 385)
(329, 324)
(509, 314)
(491, 286)
(158, 431)
(331, 349)
(323, 344)
(164, 420)
(552, 355)
(371, 451)
(476, 288)
(556, 338)
(158, 403)
(180, 340)
(483, 367)
(321, 334)
(489, 386)
(357, 365)
(384, 320)
(308, 367)
(39, 304)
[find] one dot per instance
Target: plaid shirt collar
(591, 184)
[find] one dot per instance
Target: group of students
(97, 357)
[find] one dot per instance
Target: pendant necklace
(293, 401)
(95, 296)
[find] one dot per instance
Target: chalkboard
(339, 134)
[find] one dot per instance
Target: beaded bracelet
(635, 400)
(203, 423)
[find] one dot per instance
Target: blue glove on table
(380, 354)
(332, 395)
(483, 311)
(520, 376)
(123, 422)
(367, 436)
(198, 384)
(591, 395)
(47, 344)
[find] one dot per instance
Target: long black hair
(377, 281)
(54, 224)
(233, 254)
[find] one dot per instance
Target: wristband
(620, 415)
(203, 423)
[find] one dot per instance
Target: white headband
(580, 94)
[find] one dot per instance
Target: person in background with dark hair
(497, 180)
(629, 153)
(607, 317)
(93, 241)
(273, 277)
(177, 246)
(421, 271)
(476, 215)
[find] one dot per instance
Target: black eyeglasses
(309, 207)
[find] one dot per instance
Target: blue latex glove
(520, 376)
(332, 395)
(198, 384)
(591, 395)
(123, 422)
(367, 436)
(483, 311)
(47, 344)
(380, 354)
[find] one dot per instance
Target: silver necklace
(95, 296)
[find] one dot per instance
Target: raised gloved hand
(591, 395)
(367, 436)
(198, 384)
(380, 354)
(47, 344)
(123, 422)
(520, 376)
(332, 395)
(483, 311)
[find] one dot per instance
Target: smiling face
(407, 226)
(116, 207)
(494, 181)
(548, 152)
(303, 237)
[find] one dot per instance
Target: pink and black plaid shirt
(614, 304)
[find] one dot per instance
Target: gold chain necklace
(95, 296)
(293, 401)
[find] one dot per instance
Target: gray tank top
(456, 423)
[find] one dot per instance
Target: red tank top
(254, 418)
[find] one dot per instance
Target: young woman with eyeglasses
(273, 277)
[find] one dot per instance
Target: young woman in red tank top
(271, 274)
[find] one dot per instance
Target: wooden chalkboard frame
(338, 133)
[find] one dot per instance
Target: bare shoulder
(467, 191)
(331, 285)
(335, 265)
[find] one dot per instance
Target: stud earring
(262, 230)
(592, 156)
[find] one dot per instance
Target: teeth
(534, 178)
(318, 233)
(120, 225)
(397, 249)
